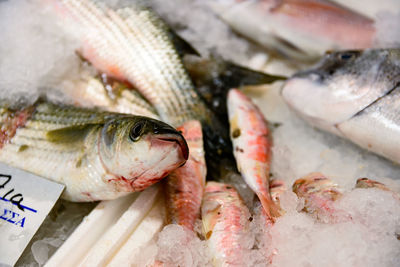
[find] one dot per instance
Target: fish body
(318, 192)
(297, 28)
(110, 95)
(225, 221)
(97, 155)
(355, 95)
(132, 44)
(185, 186)
(251, 146)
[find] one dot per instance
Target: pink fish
(185, 186)
(226, 222)
(252, 146)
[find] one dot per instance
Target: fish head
(138, 151)
(341, 85)
(316, 184)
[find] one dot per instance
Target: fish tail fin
(271, 208)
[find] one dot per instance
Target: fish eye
(347, 55)
(136, 131)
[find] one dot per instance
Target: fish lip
(178, 139)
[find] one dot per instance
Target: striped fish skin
(251, 146)
(318, 192)
(355, 95)
(300, 29)
(132, 44)
(185, 185)
(114, 96)
(97, 155)
(226, 222)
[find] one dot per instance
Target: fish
(251, 146)
(319, 194)
(185, 185)
(298, 29)
(225, 223)
(354, 94)
(97, 155)
(133, 44)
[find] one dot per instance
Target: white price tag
(25, 201)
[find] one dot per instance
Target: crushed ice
(37, 54)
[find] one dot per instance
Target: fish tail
(271, 209)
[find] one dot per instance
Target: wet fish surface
(185, 186)
(355, 95)
(108, 94)
(134, 45)
(97, 155)
(225, 221)
(252, 146)
(298, 29)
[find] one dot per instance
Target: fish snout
(173, 136)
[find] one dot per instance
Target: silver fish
(297, 28)
(355, 95)
(97, 155)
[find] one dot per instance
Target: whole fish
(226, 222)
(251, 146)
(355, 95)
(319, 193)
(297, 28)
(185, 185)
(97, 155)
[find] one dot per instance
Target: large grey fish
(297, 28)
(97, 155)
(355, 95)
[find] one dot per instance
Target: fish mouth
(179, 140)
